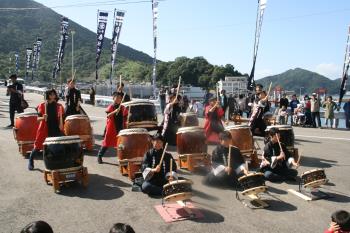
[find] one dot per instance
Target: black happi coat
(273, 149)
(220, 157)
(152, 159)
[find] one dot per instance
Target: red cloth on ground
(42, 132)
(212, 136)
(110, 139)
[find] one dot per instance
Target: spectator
(37, 227)
(284, 101)
(340, 222)
(121, 228)
(232, 106)
(293, 105)
(315, 110)
(15, 90)
(346, 108)
(329, 105)
(92, 95)
(194, 106)
(283, 115)
(162, 99)
(307, 110)
(241, 105)
(223, 101)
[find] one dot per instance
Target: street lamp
(72, 32)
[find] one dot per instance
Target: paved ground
(25, 197)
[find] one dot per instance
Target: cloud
(330, 70)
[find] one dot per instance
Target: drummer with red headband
(116, 121)
(155, 170)
(277, 161)
(228, 163)
(51, 123)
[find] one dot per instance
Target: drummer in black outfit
(276, 164)
(171, 120)
(161, 173)
(15, 90)
(220, 157)
(73, 99)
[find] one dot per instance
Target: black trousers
(316, 116)
(13, 109)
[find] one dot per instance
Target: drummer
(121, 90)
(222, 173)
(256, 120)
(161, 173)
(171, 120)
(213, 122)
(73, 99)
(51, 123)
(116, 121)
(276, 164)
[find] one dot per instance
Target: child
(116, 121)
(340, 222)
(283, 115)
(222, 172)
(161, 172)
(51, 123)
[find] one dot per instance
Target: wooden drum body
(62, 152)
(80, 125)
(178, 190)
(132, 144)
(192, 147)
(314, 178)
(188, 119)
(24, 132)
(141, 114)
(253, 183)
(242, 137)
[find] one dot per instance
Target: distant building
(234, 85)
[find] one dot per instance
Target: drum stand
(63, 176)
(310, 193)
(254, 203)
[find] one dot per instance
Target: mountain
(20, 28)
(299, 79)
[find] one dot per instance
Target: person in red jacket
(213, 124)
(340, 222)
(51, 123)
(116, 121)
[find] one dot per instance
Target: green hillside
(297, 78)
(19, 29)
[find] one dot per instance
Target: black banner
(118, 17)
(29, 52)
(38, 50)
(62, 45)
(17, 62)
(34, 59)
(101, 29)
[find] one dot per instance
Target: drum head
(228, 128)
(132, 131)
(190, 129)
(250, 175)
(137, 102)
(316, 183)
(280, 127)
(77, 116)
(62, 140)
(178, 197)
(27, 114)
(178, 182)
(312, 171)
(254, 190)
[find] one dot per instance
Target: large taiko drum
(286, 133)
(188, 119)
(26, 125)
(24, 132)
(178, 190)
(63, 152)
(191, 140)
(242, 137)
(253, 183)
(142, 114)
(80, 125)
(314, 178)
(132, 143)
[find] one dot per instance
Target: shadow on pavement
(209, 217)
(280, 206)
(203, 195)
(316, 162)
(99, 188)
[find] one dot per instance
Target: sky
(309, 34)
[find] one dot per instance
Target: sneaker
(31, 165)
(99, 159)
(9, 126)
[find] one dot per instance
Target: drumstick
(161, 159)
(279, 143)
(171, 166)
(229, 157)
(128, 117)
(178, 88)
(120, 81)
(45, 106)
(268, 93)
